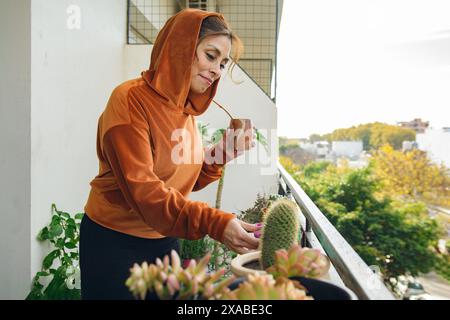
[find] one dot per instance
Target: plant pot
(319, 289)
(238, 264)
(239, 268)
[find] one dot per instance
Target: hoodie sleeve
(128, 151)
(209, 173)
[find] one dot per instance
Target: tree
(411, 175)
(374, 135)
(397, 236)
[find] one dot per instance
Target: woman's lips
(206, 80)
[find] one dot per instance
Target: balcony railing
(347, 266)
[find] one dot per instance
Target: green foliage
(256, 213)
(221, 256)
(280, 231)
(443, 266)
(397, 236)
(373, 135)
(60, 266)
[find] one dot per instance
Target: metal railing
(348, 267)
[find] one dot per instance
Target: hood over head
(171, 61)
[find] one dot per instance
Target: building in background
(348, 149)
(436, 142)
(417, 125)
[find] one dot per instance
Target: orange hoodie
(139, 189)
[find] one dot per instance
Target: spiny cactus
(299, 262)
(171, 281)
(264, 287)
(280, 231)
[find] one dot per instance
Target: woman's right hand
(238, 236)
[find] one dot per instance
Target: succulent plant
(171, 281)
(280, 231)
(265, 287)
(299, 262)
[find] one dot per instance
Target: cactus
(280, 231)
(171, 281)
(299, 262)
(264, 287)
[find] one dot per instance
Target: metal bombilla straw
(224, 109)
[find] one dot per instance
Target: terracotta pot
(243, 133)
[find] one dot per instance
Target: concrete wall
(59, 76)
(436, 142)
(15, 95)
(247, 175)
(73, 74)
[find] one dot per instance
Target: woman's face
(211, 56)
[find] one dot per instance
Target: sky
(347, 62)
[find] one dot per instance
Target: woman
(138, 207)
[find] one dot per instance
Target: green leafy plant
(60, 267)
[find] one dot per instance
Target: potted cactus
(281, 229)
(281, 256)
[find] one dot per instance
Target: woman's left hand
(232, 148)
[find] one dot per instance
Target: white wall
(61, 79)
(436, 142)
(15, 59)
(347, 148)
(73, 74)
(245, 177)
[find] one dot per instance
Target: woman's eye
(210, 56)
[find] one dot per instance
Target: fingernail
(257, 234)
(259, 224)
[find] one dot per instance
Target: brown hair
(213, 26)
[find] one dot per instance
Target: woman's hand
(238, 236)
(231, 150)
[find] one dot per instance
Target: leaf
(60, 243)
(70, 245)
(48, 260)
(79, 216)
(65, 215)
(70, 232)
(217, 135)
(55, 231)
(43, 234)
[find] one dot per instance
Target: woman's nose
(215, 70)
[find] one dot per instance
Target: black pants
(106, 257)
